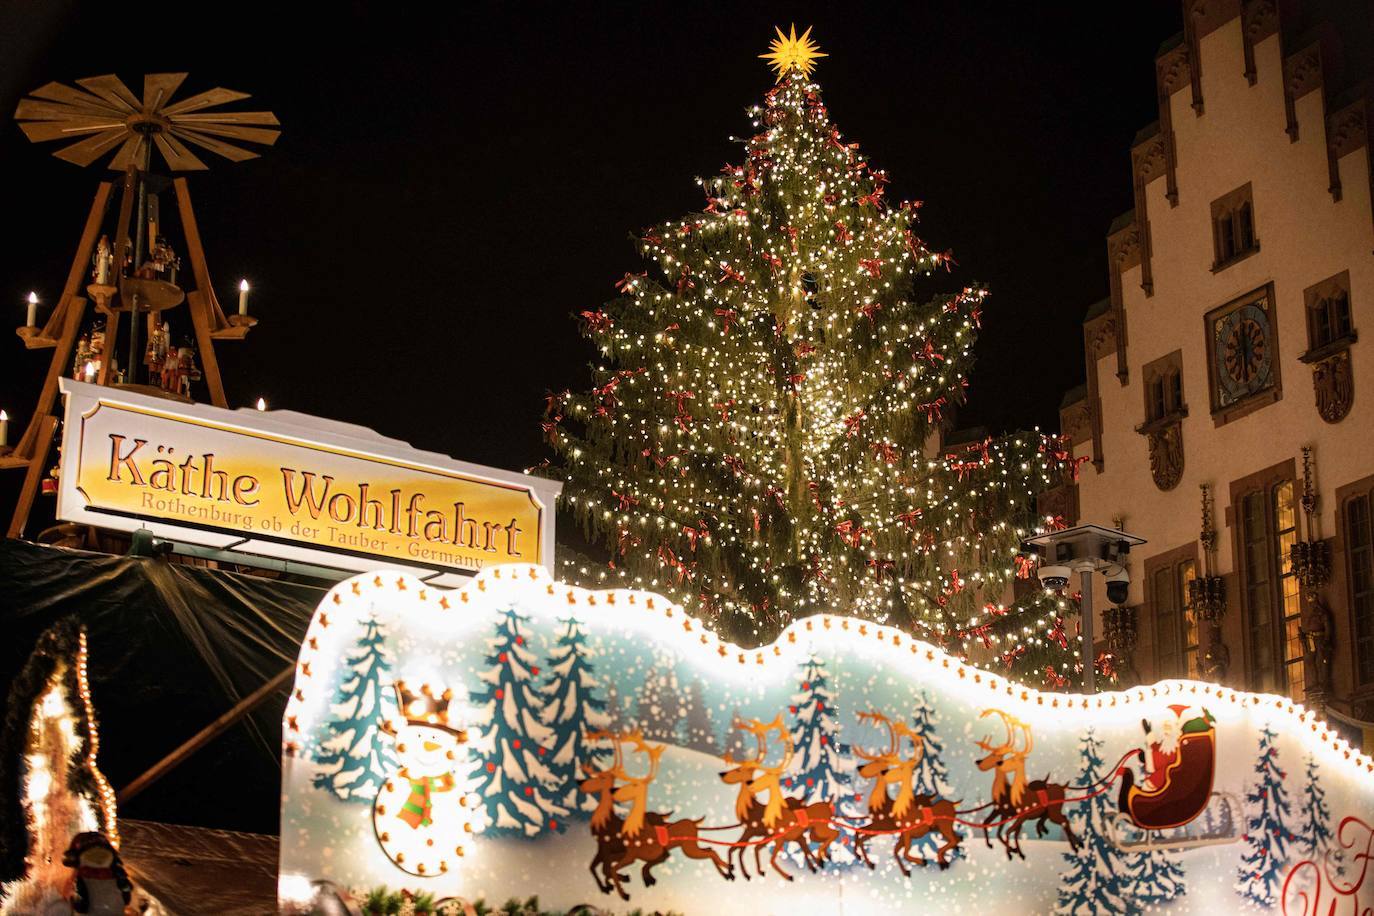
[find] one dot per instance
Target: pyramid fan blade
(112, 89)
(34, 110)
(89, 150)
(57, 92)
(133, 152)
(217, 96)
(42, 131)
(232, 117)
(228, 151)
(262, 135)
(178, 157)
(158, 89)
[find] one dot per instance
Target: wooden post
(201, 301)
(69, 307)
(107, 353)
(206, 734)
(33, 477)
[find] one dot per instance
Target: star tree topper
(787, 52)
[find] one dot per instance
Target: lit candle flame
(4, 417)
(33, 298)
(262, 404)
(243, 286)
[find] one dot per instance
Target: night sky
(448, 192)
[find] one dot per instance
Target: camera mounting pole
(1085, 549)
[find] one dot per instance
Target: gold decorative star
(788, 52)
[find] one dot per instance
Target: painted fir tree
(515, 776)
(1266, 837)
(822, 767)
(821, 771)
(752, 441)
(1097, 881)
(1314, 815)
(574, 708)
(355, 760)
(1157, 879)
(930, 777)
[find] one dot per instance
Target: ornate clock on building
(1244, 353)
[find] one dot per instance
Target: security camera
(1118, 585)
(1054, 576)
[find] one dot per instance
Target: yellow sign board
(291, 486)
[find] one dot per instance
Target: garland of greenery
(382, 901)
(57, 646)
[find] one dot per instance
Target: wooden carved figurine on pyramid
(136, 274)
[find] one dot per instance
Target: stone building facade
(1228, 415)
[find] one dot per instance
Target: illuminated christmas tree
(1266, 836)
(355, 760)
(760, 438)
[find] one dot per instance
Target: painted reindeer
(642, 834)
(787, 819)
(1014, 800)
(907, 815)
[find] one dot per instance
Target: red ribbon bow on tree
(1057, 634)
(679, 398)
(627, 282)
(881, 566)
(1054, 678)
(851, 533)
(597, 321)
(868, 310)
(885, 451)
(874, 266)
(685, 281)
(727, 317)
(695, 534)
(624, 500)
(853, 422)
(932, 409)
(728, 272)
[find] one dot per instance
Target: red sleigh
(1182, 797)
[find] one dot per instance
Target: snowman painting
(423, 814)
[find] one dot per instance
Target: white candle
(90, 370)
(4, 429)
(262, 404)
(243, 297)
(33, 311)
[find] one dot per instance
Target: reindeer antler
(986, 744)
(652, 751)
(786, 739)
(878, 718)
(918, 743)
(603, 735)
(1025, 735)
